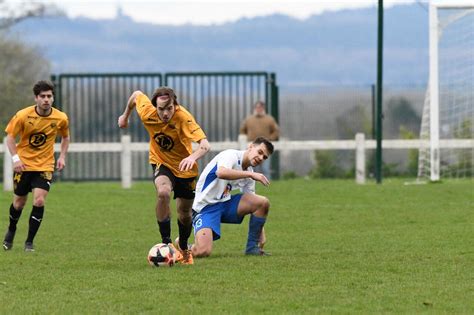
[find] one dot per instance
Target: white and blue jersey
(212, 190)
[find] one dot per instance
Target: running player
(172, 129)
(33, 157)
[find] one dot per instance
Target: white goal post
(451, 81)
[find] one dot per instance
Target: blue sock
(255, 229)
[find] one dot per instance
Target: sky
(206, 12)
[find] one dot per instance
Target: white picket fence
(126, 147)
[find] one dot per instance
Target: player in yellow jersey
(172, 129)
(37, 127)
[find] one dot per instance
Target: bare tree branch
(13, 13)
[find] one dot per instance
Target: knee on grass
(202, 250)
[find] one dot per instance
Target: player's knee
(184, 212)
(38, 201)
(185, 218)
(19, 204)
(203, 243)
(202, 250)
(164, 193)
(264, 206)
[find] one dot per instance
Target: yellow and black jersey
(37, 136)
(170, 142)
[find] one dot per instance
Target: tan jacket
(260, 126)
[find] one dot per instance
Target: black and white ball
(161, 255)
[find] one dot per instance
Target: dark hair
(265, 141)
(42, 86)
(161, 91)
(262, 103)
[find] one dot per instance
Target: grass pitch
(337, 248)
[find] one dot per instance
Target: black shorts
(23, 183)
(182, 187)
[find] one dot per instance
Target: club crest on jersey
(227, 191)
(53, 125)
(38, 139)
(165, 142)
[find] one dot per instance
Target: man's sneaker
(8, 240)
(29, 247)
(177, 253)
(257, 251)
(187, 257)
(176, 244)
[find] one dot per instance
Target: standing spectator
(33, 158)
(260, 124)
(172, 130)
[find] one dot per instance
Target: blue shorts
(212, 216)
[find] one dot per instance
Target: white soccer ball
(161, 255)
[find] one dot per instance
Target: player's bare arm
(231, 174)
(123, 120)
(188, 163)
(61, 163)
(18, 165)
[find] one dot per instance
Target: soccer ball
(161, 255)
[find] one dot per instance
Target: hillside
(330, 48)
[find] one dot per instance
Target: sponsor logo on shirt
(164, 141)
(38, 139)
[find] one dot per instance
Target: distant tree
(326, 166)
(20, 67)
(339, 163)
(14, 12)
(353, 121)
(400, 113)
(412, 153)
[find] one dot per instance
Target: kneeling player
(213, 204)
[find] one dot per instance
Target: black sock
(184, 233)
(14, 217)
(36, 217)
(165, 230)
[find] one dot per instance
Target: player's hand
(60, 164)
(19, 167)
(123, 121)
(186, 164)
(260, 178)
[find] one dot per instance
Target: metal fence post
(7, 168)
(360, 158)
(126, 161)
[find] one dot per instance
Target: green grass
(337, 248)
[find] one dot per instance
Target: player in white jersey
(213, 204)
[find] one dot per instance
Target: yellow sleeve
(15, 126)
(64, 127)
(190, 128)
(144, 106)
